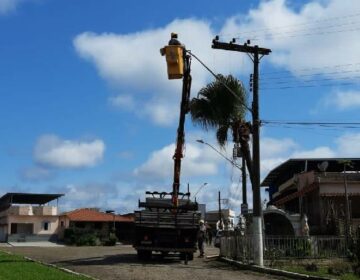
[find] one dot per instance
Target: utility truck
(169, 221)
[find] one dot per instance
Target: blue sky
(86, 108)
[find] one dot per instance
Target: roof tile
(91, 215)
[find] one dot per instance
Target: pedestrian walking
(201, 238)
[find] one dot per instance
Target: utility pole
(253, 52)
(347, 208)
(220, 210)
(244, 205)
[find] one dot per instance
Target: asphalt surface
(120, 262)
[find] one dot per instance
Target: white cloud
(275, 147)
(303, 38)
(36, 174)
(134, 61)
(199, 165)
(97, 195)
(7, 6)
(52, 151)
(162, 111)
(342, 100)
(197, 162)
(267, 164)
(318, 152)
(349, 145)
(123, 101)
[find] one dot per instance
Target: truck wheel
(164, 254)
(147, 255)
(144, 255)
(140, 254)
(187, 256)
(190, 256)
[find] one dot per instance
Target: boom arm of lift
(180, 139)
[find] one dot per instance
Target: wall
(64, 223)
(45, 210)
(3, 233)
(38, 223)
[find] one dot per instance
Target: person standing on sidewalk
(201, 238)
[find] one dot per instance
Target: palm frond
(222, 135)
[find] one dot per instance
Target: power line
(297, 31)
(309, 69)
(289, 76)
(352, 125)
(309, 86)
(311, 81)
(310, 22)
(218, 79)
(307, 34)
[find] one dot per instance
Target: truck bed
(166, 219)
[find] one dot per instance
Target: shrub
(311, 267)
(80, 237)
(356, 270)
(302, 248)
(273, 254)
(339, 268)
(87, 239)
(111, 241)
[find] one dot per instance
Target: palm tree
(216, 107)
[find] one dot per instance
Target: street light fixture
(203, 185)
(221, 154)
(244, 205)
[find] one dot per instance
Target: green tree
(216, 107)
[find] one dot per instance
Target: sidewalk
(33, 244)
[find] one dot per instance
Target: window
(46, 226)
(62, 224)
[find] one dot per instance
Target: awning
(26, 198)
(286, 170)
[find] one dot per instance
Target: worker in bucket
(201, 238)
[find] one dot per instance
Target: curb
(210, 257)
(273, 271)
(53, 266)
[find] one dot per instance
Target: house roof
(26, 198)
(286, 170)
(92, 215)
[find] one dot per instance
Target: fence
(241, 248)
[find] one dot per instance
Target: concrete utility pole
(254, 52)
(244, 205)
(346, 163)
(220, 218)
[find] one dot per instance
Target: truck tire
(164, 254)
(190, 256)
(144, 255)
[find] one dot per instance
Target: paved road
(120, 262)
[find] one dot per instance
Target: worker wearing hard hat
(201, 238)
(174, 40)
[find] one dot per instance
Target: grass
(14, 267)
(322, 272)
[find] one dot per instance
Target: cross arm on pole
(239, 48)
